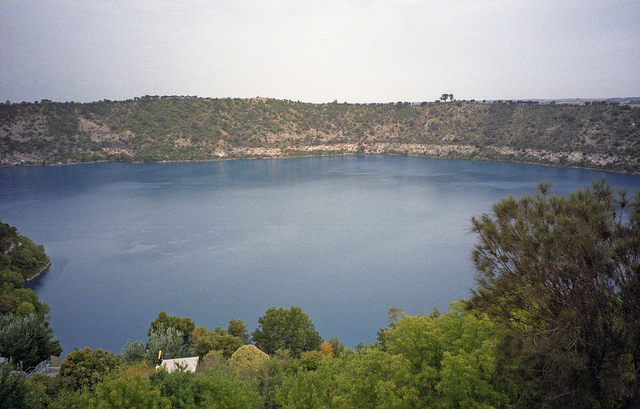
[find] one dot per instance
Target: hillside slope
(151, 129)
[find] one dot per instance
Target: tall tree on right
(561, 276)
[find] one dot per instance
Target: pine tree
(561, 275)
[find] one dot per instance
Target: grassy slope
(160, 129)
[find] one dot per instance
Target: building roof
(187, 364)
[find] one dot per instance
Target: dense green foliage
(121, 389)
(84, 368)
(168, 340)
(286, 329)
(27, 340)
(155, 128)
(452, 359)
(216, 340)
(247, 358)
(25, 337)
(369, 378)
(238, 329)
(164, 322)
(16, 392)
(561, 278)
(20, 258)
(212, 390)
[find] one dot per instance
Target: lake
(345, 238)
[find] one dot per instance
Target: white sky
(319, 51)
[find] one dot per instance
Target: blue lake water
(345, 238)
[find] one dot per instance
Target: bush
(16, 392)
(121, 389)
(84, 368)
(286, 329)
(134, 351)
(248, 358)
(169, 341)
(216, 340)
(26, 340)
(213, 390)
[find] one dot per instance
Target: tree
(219, 390)
(164, 321)
(29, 258)
(20, 258)
(84, 368)
(248, 358)
(210, 390)
(20, 301)
(25, 308)
(239, 329)
(178, 387)
(337, 346)
(452, 358)
(369, 378)
(444, 97)
(216, 340)
(170, 341)
(120, 389)
(13, 278)
(561, 276)
(286, 329)
(327, 349)
(26, 340)
(395, 314)
(134, 351)
(16, 392)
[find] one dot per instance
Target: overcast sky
(319, 51)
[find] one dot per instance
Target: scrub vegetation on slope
(176, 128)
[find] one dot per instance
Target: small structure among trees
(189, 364)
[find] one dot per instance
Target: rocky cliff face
(597, 135)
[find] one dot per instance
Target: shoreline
(39, 273)
(575, 159)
